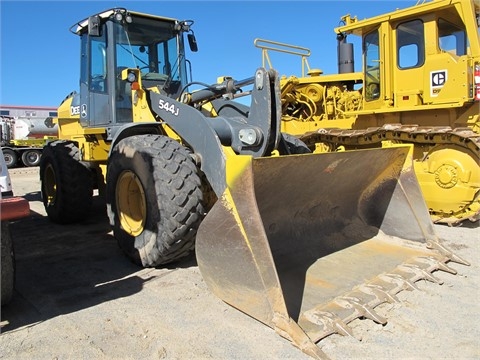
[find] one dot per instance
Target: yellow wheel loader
(280, 233)
(420, 85)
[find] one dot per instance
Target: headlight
(131, 77)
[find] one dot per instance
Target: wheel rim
(50, 184)
(8, 159)
(33, 158)
(131, 204)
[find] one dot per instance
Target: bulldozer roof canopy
(360, 27)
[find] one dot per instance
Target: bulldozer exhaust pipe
(293, 239)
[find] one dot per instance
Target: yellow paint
(235, 166)
(229, 204)
(131, 203)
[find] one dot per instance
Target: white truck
(22, 137)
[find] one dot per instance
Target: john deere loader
(419, 84)
(303, 242)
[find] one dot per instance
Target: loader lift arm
(257, 135)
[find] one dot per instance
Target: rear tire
(7, 264)
(11, 158)
(66, 183)
(31, 158)
(154, 199)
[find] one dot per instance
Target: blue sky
(39, 57)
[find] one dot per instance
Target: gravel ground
(78, 297)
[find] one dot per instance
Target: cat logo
(438, 78)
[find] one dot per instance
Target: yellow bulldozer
(280, 233)
(419, 84)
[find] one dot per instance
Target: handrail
(266, 45)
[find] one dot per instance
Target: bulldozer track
(464, 137)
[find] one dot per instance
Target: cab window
(410, 44)
(96, 72)
(451, 38)
(371, 51)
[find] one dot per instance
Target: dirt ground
(78, 297)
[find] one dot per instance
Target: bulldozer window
(410, 44)
(451, 38)
(372, 66)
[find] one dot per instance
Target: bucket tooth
(380, 294)
(445, 251)
(458, 259)
(389, 285)
(435, 264)
(403, 283)
(290, 330)
(446, 268)
(420, 273)
(330, 323)
(362, 310)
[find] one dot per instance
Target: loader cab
(116, 40)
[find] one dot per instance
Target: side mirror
(192, 42)
(94, 25)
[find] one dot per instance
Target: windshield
(151, 46)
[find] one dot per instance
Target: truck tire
(154, 199)
(7, 264)
(66, 183)
(31, 157)
(11, 158)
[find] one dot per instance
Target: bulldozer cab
(425, 52)
(116, 40)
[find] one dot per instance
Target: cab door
(373, 70)
(409, 59)
(95, 108)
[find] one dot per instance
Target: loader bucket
(308, 243)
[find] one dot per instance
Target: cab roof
(81, 26)
(360, 27)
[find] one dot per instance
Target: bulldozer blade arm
(308, 243)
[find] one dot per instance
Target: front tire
(66, 183)
(154, 199)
